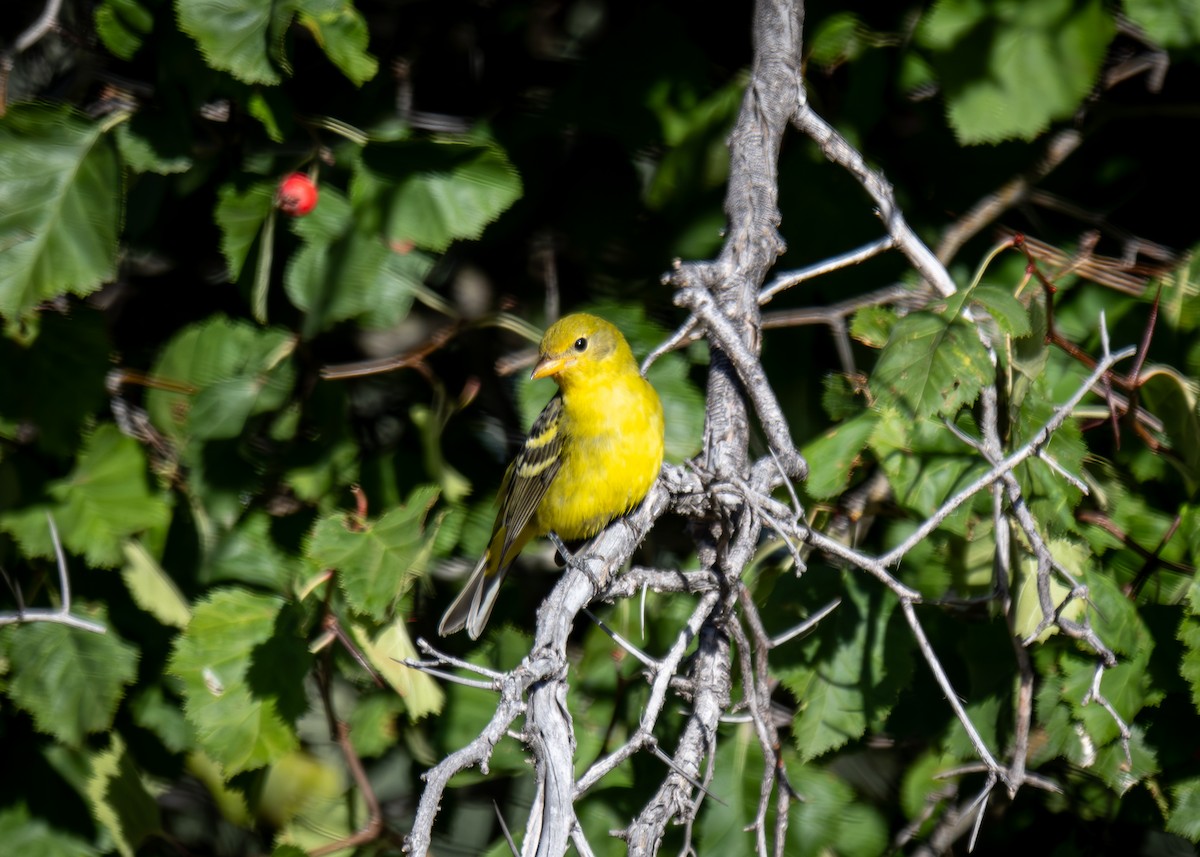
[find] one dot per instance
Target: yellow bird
(590, 458)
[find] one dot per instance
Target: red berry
(297, 195)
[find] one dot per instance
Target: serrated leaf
(152, 710)
(245, 37)
(831, 457)
(1189, 635)
(1184, 819)
(373, 724)
(386, 651)
(1112, 765)
(119, 801)
(242, 678)
(23, 834)
(1008, 70)
(932, 365)
(247, 553)
(152, 588)
(234, 369)
(105, 500)
(69, 680)
(1170, 24)
(342, 33)
(1009, 313)
(237, 35)
(122, 25)
(378, 561)
(854, 666)
(872, 326)
(141, 152)
(343, 273)
(240, 214)
(1114, 615)
(60, 206)
(432, 192)
(924, 463)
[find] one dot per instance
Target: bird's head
(579, 346)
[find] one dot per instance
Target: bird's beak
(549, 366)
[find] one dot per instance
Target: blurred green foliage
(240, 518)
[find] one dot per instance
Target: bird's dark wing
(530, 474)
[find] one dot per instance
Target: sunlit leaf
(432, 192)
(832, 456)
(933, 365)
(1008, 70)
(242, 672)
(70, 680)
(386, 651)
(103, 501)
(377, 561)
(120, 801)
(60, 206)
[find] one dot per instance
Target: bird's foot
(576, 561)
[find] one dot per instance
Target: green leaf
(236, 370)
(60, 206)
(933, 365)
(342, 33)
(343, 273)
(1028, 615)
(1189, 635)
(119, 801)
(142, 149)
(1009, 69)
(1114, 615)
(1009, 313)
(925, 463)
(23, 834)
(69, 680)
(831, 457)
(105, 500)
(838, 39)
(373, 724)
(237, 35)
(246, 37)
(242, 666)
(1112, 765)
(1169, 23)
(377, 562)
(1184, 819)
(123, 25)
(152, 710)
(241, 215)
(872, 326)
(854, 665)
(152, 588)
(386, 651)
(248, 553)
(433, 192)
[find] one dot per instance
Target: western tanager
(591, 456)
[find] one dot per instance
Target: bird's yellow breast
(612, 453)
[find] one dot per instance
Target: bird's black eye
(581, 344)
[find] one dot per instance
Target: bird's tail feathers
(474, 604)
